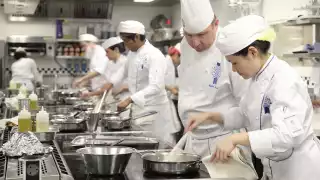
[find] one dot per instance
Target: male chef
(146, 80)
(206, 79)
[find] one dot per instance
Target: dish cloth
(236, 167)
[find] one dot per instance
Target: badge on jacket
(266, 104)
(216, 73)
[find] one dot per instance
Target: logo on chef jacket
(266, 104)
(216, 73)
(142, 62)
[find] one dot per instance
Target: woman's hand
(223, 150)
(195, 120)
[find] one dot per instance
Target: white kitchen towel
(236, 167)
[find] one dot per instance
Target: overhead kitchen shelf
(166, 42)
(75, 40)
(70, 57)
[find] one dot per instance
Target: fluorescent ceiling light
(143, 1)
(18, 18)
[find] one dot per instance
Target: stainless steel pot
(171, 163)
(70, 125)
(84, 106)
(72, 100)
(63, 110)
(106, 160)
(116, 122)
(119, 123)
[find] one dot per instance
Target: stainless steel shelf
(70, 57)
(75, 40)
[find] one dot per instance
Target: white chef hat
(196, 15)
(131, 26)
(88, 38)
(20, 49)
(243, 32)
(111, 42)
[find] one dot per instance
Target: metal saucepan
(106, 160)
(171, 163)
(109, 113)
(119, 123)
(84, 106)
(71, 124)
(72, 100)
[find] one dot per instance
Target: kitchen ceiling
(154, 3)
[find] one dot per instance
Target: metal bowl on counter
(106, 160)
(171, 163)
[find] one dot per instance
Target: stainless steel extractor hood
(97, 9)
(20, 6)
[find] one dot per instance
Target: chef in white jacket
(24, 70)
(146, 73)
(171, 80)
(206, 80)
(276, 109)
(98, 62)
(114, 73)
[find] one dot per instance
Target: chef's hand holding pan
(195, 120)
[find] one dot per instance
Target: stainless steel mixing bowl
(106, 160)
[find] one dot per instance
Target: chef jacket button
(257, 118)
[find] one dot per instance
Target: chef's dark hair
(20, 54)
(262, 46)
(132, 36)
(120, 47)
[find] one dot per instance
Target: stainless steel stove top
(53, 166)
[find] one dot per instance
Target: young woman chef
(24, 70)
(116, 66)
(276, 109)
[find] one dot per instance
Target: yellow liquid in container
(42, 121)
(33, 101)
(24, 125)
(24, 121)
(33, 105)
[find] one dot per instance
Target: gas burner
(154, 175)
(99, 177)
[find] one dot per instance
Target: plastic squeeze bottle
(23, 89)
(42, 121)
(24, 121)
(33, 101)
(12, 85)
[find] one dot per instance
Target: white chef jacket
(25, 71)
(277, 111)
(114, 75)
(206, 84)
(146, 72)
(98, 63)
(170, 75)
